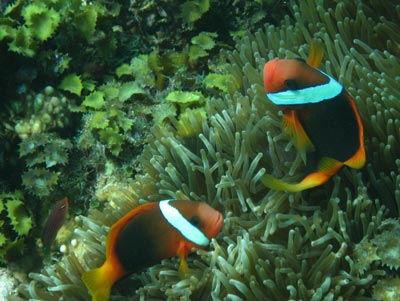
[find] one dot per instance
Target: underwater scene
(200, 150)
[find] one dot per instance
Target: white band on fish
(180, 223)
(307, 95)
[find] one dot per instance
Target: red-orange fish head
(291, 74)
(201, 215)
(211, 220)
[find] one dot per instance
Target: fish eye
(195, 221)
(291, 84)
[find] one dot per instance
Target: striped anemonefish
(149, 233)
(319, 116)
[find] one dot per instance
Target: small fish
(149, 233)
(320, 117)
(54, 223)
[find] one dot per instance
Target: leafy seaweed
(15, 224)
(43, 154)
(72, 83)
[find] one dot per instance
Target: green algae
(72, 83)
(16, 223)
(41, 20)
(43, 154)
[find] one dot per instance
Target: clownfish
(319, 116)
(150, 233)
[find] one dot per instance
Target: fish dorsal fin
(293, 128)
(316, 54)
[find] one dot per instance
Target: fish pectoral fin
(293, 128)
(183, 267)
(182, 253)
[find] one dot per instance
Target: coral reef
(46, 111)
(32, 144)
(60, 98)
(274, 245)
(7, 283)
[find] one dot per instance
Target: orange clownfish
(319, 116)
(149, 233)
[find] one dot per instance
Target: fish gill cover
(275, 245)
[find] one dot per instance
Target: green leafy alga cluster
(192, 11)
(109, 118)
(15, 225)
(109, 115)
(25, 25)
(24, 35)
(43, 154)
(110, 124)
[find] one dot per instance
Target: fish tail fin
(99, 281)
(358, 160)
(276, 184)
(327, 167)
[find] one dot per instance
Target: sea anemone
(274, 245)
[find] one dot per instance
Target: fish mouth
(215, 225)
(219, 223)
(269, 74)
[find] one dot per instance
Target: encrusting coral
(274, 245)
(49, 110)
